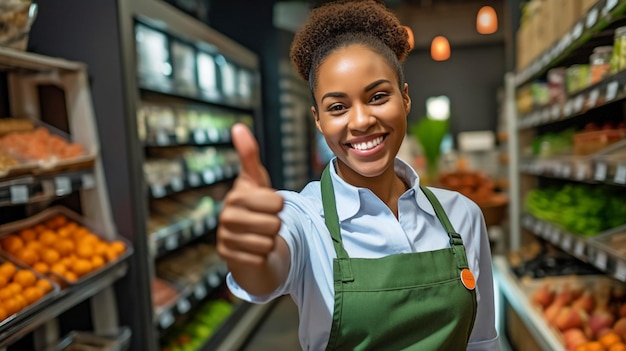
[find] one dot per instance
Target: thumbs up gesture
(247, 235)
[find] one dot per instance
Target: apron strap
(456, 242)
(332, 223)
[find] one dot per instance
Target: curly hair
(339, 24)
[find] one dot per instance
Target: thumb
(248, 151)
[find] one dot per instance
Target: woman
(369, 256)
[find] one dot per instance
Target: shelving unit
(38, 188)
(601, 101)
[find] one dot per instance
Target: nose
(361, 117)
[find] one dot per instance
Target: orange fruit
(82, 267)
(50, 256)
(100, 248)
(609, 339)
(84, 250)
(41, 267)
(28, 234)
(3, 314)
(25, 278)
(594, 346)
(48, 237)
(89, 239)
(27, 256)
(111, 254)
(118, 246)
(64, 232)
(7, 269)
(58, 268)
(32, 294)
(618, 347)
(14, 288)
(11, 306)
(44, 285)
(21, 301)
(80, 232)
(97, 262)
(34, 245)
(3, 281)
(70, 276)
(40, 228)
(64, 246)
(5, 294)
(12, 243)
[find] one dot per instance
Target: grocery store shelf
(230, 103)
(198, 137)
(607, 91)
(21, 60)
(580, 169)
(33, 188)
(235, 330)
(193, 180)
(536, 324)
(177, 235)
(66, 299)
(597, 18)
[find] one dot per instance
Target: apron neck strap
(330, 212)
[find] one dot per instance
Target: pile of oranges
(62, 247)
(19, 288)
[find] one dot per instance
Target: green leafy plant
(429, 133)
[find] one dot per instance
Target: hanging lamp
(486, 20)
(411, 39)
(440, 48)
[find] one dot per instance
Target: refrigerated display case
(166, 89)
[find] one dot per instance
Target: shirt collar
(350, 197)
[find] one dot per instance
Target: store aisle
(279, 330)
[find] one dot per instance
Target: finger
(239, 220)
(251, 243)
(248, 150)
(242, 257)
(264, 200)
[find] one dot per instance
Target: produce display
(39, 145)
(163, 293)
(580, 209)
(474, 184)
(194, 333)
(20, 288)
(61, 248)
(189, 265)
(161, 172)
(537, 261)
(594, 138)
(553, 144)
(587, 313)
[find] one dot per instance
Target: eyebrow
(367, 88)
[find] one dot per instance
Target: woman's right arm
(247, 235)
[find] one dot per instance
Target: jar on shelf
(600, 63)
(618, 60)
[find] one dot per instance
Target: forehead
(354, 62)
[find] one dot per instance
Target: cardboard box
(568, 13)
(585, 5)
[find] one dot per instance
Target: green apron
(413, 301)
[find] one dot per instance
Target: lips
(367, 145)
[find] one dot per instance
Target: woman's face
(361, 112)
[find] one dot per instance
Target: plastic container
(16, 18)
(587, 143)
(618, 61)
(42, 222)
(600, 63)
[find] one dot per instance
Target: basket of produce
(593, 138)
(16, 18)
(62, 245)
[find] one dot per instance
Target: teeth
(368, 145)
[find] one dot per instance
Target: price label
(579, 250)
(158, 191)
(620, 174)
(538, 227)
(581, 172)
(592, 17)
(199, 292)
(162, 139)
(578, 30)
(194, 179)
(593, 98)
(567, 243)
(214, 134)
(198, 228)
(19, 194)
(611, 90)
(211, 222)
(199, 136)
(208, 176)
(219, 173)
(545, 115)
(579, 103)
(555, 236)
(177, 184)
(600, 173)
(166, 319)
(88, 181)
(62, 186)
(601, 260)
(568, 107)
(214, 280)
(566, 171)
(183, 306)
(620, 270)
(171, 242)
(610, 4)
(556, 111)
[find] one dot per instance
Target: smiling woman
(367, 234)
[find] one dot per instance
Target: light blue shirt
(370, 230)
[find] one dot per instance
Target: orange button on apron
(467, 278)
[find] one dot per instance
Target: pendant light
(440, 48)
(411, 39)
(486, 20)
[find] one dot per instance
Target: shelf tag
(592, 17)
(601, 260)
(177, 184)
(210, 222)
(566, 243)
(158, 191)
(545, 114)
(554, 235)
(208, 176)
(581, 171)
(214, 134)
(19, 194)
(62, 186)
(198, 228)
(88, 181)
(166, 319)
(162, 138)
(556, 111)
(600, 174)
(171, 242)
(214, 279)
(620, 174)
(193, 179)
(538, 227)
(199, 292)
(611, 90)
(183, 306)
(578, 30)
(579, 103)
(567, 108)
(593, 98)
(199, 136)
(620, 270)
(610, 4)
(219, 173)
(579, 250)
(566, 171)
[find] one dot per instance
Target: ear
(406, 98)
(317, 118)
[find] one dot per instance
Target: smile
(367, 145)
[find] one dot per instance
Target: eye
(335, 108)
(379, 97)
